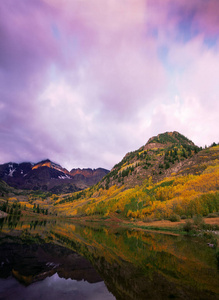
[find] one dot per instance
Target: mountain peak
(172, 137)
(45, 161)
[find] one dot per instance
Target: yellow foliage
(28, 205)
(12, 199)
(124, 167)
(215, 148)
(172, 195)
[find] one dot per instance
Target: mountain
(48, 176)
(91, 176)
(158, 158)
(168, 176)
(51, 165)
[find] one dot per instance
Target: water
(54, 287)
(62, 260)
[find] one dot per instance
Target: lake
(51, 259)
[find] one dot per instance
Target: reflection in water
(14, 222)
(139, 265)
(47, 271)
(134, 264)
(54, 288)
(34, 262)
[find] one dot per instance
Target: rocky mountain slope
(49, 176)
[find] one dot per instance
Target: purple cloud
(84, 82)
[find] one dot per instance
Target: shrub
(210, 227)
(183, 217)
(212, 215)
(167, 165)
(174, 218)
(198, 220)
(188, 226)
(147, 219)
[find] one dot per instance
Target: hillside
(168, 175)
(158, 158)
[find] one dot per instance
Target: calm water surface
(54, 287)
(63, 260)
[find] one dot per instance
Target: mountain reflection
(133, 264)
(30, 263)
(48, 271)
(54, 288)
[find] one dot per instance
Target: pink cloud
(82, 79)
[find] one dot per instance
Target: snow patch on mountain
(64, 177)
(11, 171)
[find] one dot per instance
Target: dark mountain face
(14, 170)
(49, 176)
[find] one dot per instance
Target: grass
(156, 228)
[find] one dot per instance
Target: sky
(83, 82)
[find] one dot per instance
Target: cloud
(84, 82)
